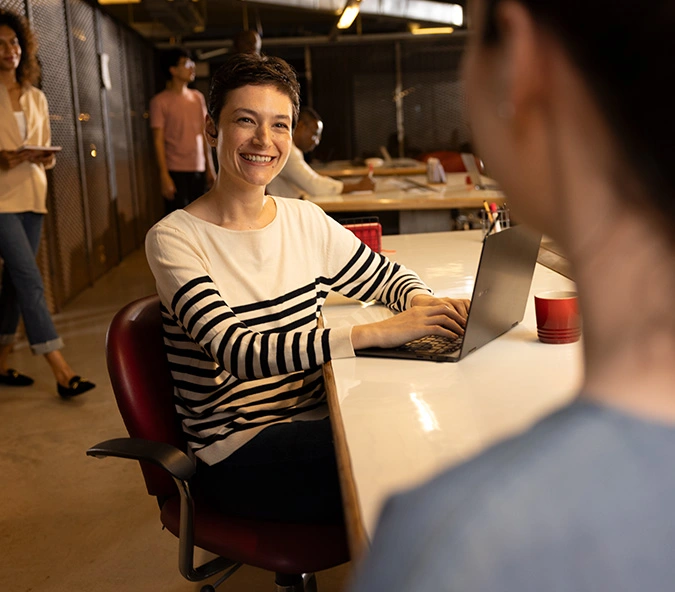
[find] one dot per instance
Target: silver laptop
(498, 302)
(474, 174)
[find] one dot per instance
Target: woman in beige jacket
(24, 121)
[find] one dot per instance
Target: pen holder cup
(368, 230)
(503, 220)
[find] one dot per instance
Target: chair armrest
(168, 457)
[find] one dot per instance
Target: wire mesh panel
(65, 227)
(150, 206)
(100, 208)
(111, 42)
(353, 90)
(433, 96)
(16, 6)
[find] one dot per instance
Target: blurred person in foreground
(24, 121)
(298, 178)
(177, 121)
(242, 276)
(582, 501)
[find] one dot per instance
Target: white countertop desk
(420, 209)
(397, 422)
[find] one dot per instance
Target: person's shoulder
(35, 93)
(171, 224)
(529, 474)
(159, 99)
(299, 208)
(197, 94)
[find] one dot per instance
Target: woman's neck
(8, 78)
(235, 206)
(626, 282)
(622, 256)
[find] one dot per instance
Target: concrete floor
(73, 523)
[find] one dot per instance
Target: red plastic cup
(558, 318)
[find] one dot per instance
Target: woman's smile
(257, 159)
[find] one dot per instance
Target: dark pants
(287, 473)
(189, 186)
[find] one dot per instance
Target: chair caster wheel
(207, 588)
(309, 582)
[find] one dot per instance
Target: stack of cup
(558, 318)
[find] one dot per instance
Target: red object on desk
(369, 232)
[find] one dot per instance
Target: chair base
(296, 583)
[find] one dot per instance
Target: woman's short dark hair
(624, 50)
(28, 69)
(242, 69)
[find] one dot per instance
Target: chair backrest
(141, 380)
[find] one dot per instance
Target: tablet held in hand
(40, 148)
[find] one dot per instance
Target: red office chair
(142, 383)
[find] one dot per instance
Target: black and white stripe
(238, 368)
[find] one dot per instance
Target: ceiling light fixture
(431, 30)
(349, 13)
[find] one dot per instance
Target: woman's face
(254, 135)
(10, 49)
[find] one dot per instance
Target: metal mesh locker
(150, 205)
(65, 226)
(16, 6)
(123, 194)
(105, 252)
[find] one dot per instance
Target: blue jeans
(22, 290)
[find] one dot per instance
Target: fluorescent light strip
(432, 30)
(348, 16)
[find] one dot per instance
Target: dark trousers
(189, 186)
(287, 473)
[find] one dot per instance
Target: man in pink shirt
(177, 119)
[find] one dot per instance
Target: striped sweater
(240, 312)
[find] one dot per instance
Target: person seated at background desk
(242, 277)
(583, 501)
(297, 178)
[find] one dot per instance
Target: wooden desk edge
(356, 533)
(377, 171)
(375, 204)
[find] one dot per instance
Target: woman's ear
(523, 72)
(211, 131)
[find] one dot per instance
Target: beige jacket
(24, 188)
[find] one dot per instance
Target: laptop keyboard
(433, 344)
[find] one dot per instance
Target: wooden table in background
(405, 166)
(420, 209)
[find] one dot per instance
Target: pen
(489, 230)
(495, 215)
(488, 211)
(420, 185)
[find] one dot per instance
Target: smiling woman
(242, 277)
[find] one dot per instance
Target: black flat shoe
(14, 378)
(76, 386)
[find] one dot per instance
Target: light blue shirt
(582, 502)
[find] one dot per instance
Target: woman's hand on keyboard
(441, 318)
(461, 305)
